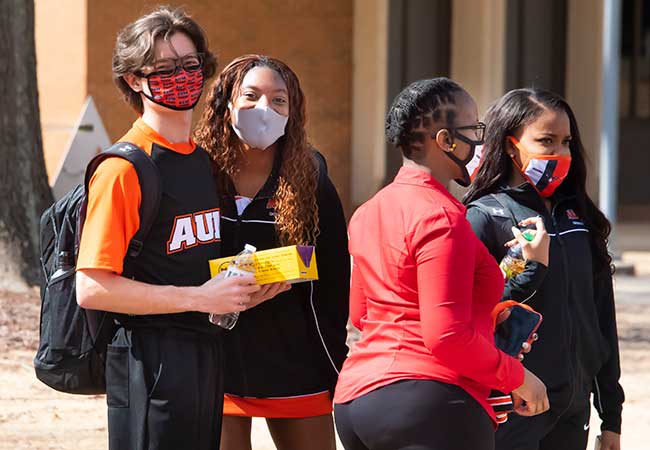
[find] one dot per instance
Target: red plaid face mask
(180, 91)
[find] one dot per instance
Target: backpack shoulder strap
(150, 186)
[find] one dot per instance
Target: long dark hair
(297, 219)
(519, 108)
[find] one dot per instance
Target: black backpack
(73, 340)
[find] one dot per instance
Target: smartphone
(518, 328)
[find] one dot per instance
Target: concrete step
(624, 267)
(639, 260)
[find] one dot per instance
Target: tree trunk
(24, 190)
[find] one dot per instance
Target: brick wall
(60, 36)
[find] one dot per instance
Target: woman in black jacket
(282, 357)
(533, 165)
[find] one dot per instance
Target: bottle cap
(250, 248)
(528, 235)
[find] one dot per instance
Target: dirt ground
(34, 417)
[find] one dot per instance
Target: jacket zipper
(240, 244)
(566, 277)
(238, 241)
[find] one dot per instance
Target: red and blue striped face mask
(544, 172)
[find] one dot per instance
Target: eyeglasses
(479, 132)
(169, 66)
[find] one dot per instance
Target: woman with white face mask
(283, 356)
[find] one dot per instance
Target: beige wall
(584, 78)
(478, 62)
(478, 48)
(339, 50)
(369, 89)
(314, 37)
(61, 71)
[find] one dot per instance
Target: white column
(478, 48)
(369, 106)
(609, 114)
(584, 77)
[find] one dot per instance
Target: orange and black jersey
(184, 235)
(294, 344)
(577, 351)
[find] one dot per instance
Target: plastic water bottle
(514, 262)
(241, 265)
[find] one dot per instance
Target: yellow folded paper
(293, 264)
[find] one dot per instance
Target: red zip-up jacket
(423, 287)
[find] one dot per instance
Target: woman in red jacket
(423, 288)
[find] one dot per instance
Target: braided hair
(420, 104)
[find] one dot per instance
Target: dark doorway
(536, 44)
(419, 39)
(634, 108)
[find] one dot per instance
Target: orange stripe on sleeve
(114, 200)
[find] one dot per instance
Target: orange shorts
(286, 407)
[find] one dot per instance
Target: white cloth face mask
(258, 127)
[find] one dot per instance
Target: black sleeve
(608, 393)
(520, 287)
(483, 227)
(331, 292)
(523, 286)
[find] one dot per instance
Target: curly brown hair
(296, 207)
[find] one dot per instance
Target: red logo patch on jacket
(571, 214)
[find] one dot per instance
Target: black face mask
(462, 163)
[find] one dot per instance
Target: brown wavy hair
(297, 211)
(135, 45)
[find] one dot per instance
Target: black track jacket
(577, 352)
(293, 344)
